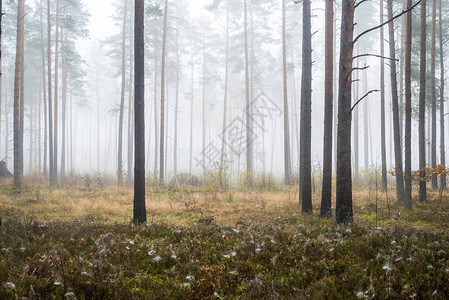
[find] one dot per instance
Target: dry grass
(186, 206)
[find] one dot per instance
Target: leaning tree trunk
(305, 164)
(162, 137)
(18, 96)
(326, 197)
(287, 155)
(139, 211)
(122, 103)
(395, 104)
(434, 94)
(422, 102)
(344, 212)
(442, 142)
(382, 101)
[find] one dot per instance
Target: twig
(360, 100)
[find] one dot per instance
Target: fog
(199, 36)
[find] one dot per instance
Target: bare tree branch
(386, 22)
(360, 100)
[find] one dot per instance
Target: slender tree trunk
(326, 196)
(162, 137)
(365, 123)
(204, 109)
(191, 108)
(434, 93)
(1, 64)
(225, 102)
(18, 96)
(395, 104)
(175, 146)
(408, 109)
(344, 212)
(287, 161)
(356, 89)
(64, 113)
(156, 120)
(139, 211)
(249, 136)
(50, 104)
(305, 164)
(442, 141)
(382, 101)
(422, 101)
(122, 101)
(130, 109)
(56, 70)
(44, 87)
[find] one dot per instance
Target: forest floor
(78, 242)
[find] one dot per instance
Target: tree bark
(442, 137)
(408, 111)
(44, 88)
(139, 211)
(422, 105)
(326, 197)
(162, 137)
(249, 136)
(64, 113)
(287, 153)
(56, 70)
(122, 102)
(306, 112)
(130, 109)
(50, 102)
(382, 100)
(344, 212)
(395, 105)
(434, 93)
(18, 96)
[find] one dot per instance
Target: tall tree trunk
(395, 104)
(408, 110)
(356, 89)
(422, 103)
(18, 96)
(191, 109)
(305, 164)
(287, 160)
(203, 117)
(139, 211)
(122, 101)
(442, 141)
(249, 136)
(63, 117)
(175, 146)
(382, 100)
(156, 120)
(225, 101)
(56, 70)
(434, 93)
(162, 137)
(365, 123)
(44, 87)
(130, 109)
(344, 212)
(326, 196)
(50, 102)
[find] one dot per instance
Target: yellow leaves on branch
(439, 170)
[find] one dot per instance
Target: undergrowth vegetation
(210, 244)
